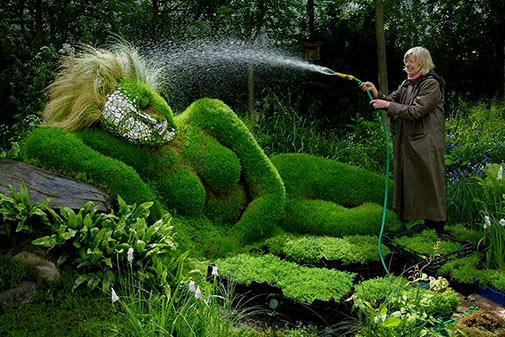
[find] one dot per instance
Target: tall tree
(381, 53)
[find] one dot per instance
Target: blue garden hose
(352, 78)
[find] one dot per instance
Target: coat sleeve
(393, 97)
(423, 103)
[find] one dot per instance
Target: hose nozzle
(348, 77)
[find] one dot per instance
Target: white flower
(404, 297)
(129, 257)
(191, 286)
(114, 297)
(214, 271)
(500, 173)
(198, 293)
(380, 318)
(487, 222)
(502, 222)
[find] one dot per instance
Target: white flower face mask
(122, 118)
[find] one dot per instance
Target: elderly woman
(417, 105)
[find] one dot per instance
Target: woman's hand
(380, 104)
(370, 87)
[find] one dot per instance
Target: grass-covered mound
(214, 168)
(300, 283)
(327, 197)
(311, 249)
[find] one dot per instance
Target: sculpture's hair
(84, 81)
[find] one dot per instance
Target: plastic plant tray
(366, 270)
(271, 302)
(491, 294)
(413, 257)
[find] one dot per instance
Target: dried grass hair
(84, 81)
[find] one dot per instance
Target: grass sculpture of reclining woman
(106, 124)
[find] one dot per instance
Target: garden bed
(355, 254)
(423, 246)
(284, 290)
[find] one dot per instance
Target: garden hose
(352, 78)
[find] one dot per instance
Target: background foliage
(465, 37)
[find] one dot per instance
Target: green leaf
(82, 278)
(45, 241)
(392, 322)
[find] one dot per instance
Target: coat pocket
(416, 136)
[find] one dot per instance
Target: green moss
(63, 152)
(352, 249)
(146, 98)
(311, 249)
(463, 270)
(493, 278)
(378, 289)
(427, 242)
(12, 273)
(327, 218)
(463, 234)
(308, 177)
(301, 283)
(58, 311)
(226, 207)
(326, 197)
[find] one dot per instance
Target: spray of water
(221, 69)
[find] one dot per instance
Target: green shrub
(427, 242)
(300, 283)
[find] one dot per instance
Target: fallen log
(41, 184)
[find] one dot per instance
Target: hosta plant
(18, 213)
(98, 243)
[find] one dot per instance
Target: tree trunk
(38, 22)
(381, 53)
(310, 14)
(156, 9)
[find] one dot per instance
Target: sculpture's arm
(63, 152)
(263, 181)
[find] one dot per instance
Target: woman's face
(411, 65)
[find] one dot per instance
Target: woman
(417, 104)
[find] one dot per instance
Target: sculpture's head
(116, 88)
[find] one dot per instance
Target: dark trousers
(436, 225)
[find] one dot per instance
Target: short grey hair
(423, 56)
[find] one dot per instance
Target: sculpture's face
(137, 113)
